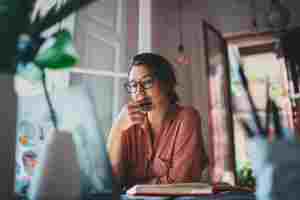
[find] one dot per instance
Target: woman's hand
(130, 115)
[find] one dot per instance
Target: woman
(161, 143)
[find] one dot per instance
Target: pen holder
(276, 167)
(58, 174)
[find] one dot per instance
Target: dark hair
(290, 42)
(162, 70)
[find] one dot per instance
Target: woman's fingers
(133, 108)
(137, 119)
(134, 114)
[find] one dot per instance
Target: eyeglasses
(145, 83)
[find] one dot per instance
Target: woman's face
(145, 85)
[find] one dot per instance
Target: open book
(183, 189)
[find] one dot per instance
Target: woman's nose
(140, 89)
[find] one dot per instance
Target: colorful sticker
(26, 134)
(29, 159)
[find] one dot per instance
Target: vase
(276, 167)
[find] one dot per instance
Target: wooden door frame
(229, 123)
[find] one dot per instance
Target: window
(100, 38)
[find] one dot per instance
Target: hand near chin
(130, 115)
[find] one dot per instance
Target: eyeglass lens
(146, 83)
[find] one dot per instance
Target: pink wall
(166, 40)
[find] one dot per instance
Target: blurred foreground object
(58, 175)
(276, 167)
(16, 19)
(276, 164)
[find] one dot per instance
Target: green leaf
(55, 15)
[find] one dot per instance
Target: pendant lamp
(182, 58)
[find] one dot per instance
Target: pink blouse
(176, 154)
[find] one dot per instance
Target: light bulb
(182, 58)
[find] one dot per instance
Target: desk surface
(221, 196)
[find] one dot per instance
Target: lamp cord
(180, 22)
(53, 116)
(254, 15)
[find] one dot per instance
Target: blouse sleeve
(119, 166)
(189, 157)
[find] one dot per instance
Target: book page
(171, 189)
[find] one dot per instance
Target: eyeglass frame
(140, 83)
